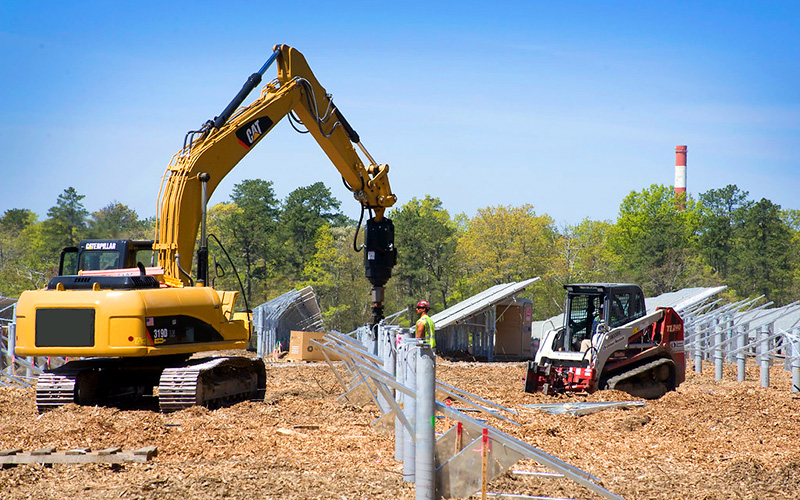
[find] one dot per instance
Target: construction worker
(597, 321)
(425, 327)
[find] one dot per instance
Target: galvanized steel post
(796, 359)
(730, 339)
(741, 355)
(389, 357)
(425, 426)
(410, 410)
(763, 346)
(698, 348)
(400, 377)
(491, 323)
(718, 355)
(12, 345)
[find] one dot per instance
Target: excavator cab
(112, 264)
(98, 255)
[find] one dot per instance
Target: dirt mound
(708, 440)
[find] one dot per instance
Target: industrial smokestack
(680, 175)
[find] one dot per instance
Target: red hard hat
(424, 304)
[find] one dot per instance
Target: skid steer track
(646, 381)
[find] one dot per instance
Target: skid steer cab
(609, 341)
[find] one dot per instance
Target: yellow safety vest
(428, 332)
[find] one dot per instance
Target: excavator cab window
(68, 262)
(97, 260)
(146, 256)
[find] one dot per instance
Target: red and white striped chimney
(680, 172)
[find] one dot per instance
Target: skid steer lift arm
(211, 153)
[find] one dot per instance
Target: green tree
(66, 221)
(583, 253)
(336, 272)
(23, 263)
(654, 239)
(426, 238)
(247, 227)
(503, 244)
(763, 253)
(792, 219)
(304, 211)
(117, 221)
(13, 222)
(721, 211)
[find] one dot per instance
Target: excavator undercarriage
(169, 384)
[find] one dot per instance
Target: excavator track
(55, 389)
(211, 383)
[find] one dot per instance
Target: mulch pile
(708, 440)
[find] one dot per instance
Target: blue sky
(567, 106)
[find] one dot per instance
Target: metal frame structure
(732, 333)
(273, 321)
(391, 383)
(472, 323)
(10, 364)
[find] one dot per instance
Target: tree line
(267, 246)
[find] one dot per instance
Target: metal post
(12, 344)
(698, 350)
(425, 428)
(390, 352)
(491, 331)
(730, 339)
(763, 345)
(719, 357)
(688, 336)
(260, 350)
(741, 355)
(400, 376)
(796, 359)
(410, 410)
(389, 356)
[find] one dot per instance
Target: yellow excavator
(134, 328)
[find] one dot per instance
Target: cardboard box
(301, 348)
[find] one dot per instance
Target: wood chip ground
(709, 440)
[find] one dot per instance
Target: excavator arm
(210, 153)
